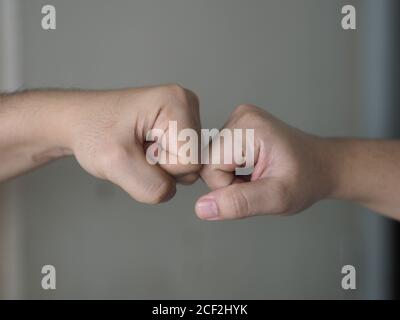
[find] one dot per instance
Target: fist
(289, 172)
(107, 134)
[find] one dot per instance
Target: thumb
(242, 200)
(144, 182)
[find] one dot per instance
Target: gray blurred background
(290, 57)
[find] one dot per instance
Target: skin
(104, 130)
(293, 170)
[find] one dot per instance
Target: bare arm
(31, 131)
(294, 170)
(104, 130)
(367, 172)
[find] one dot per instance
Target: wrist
(37, 123)
(61, 119)
(334, 162)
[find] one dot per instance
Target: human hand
(289, 172)
(106, 131)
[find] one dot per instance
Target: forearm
(31, 130)
(366, 172)
(104, 130)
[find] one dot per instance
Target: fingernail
(207, 209)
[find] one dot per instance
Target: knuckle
(179, 97)
(158, 192)
(177, 91)
(193, 99)
(188, 179)
(192, 169)
(244, 114)
(244, 108)
(177, 100)
(240, 204)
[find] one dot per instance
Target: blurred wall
(290, 57)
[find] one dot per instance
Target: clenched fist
(289, 171)
(108, 131)
(293, 170)
(105, 130)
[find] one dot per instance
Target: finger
(216, 178)
(183, 172)
(187, 179)
(241, 200)
(144, 182)
(181, 123)
(228, 152)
